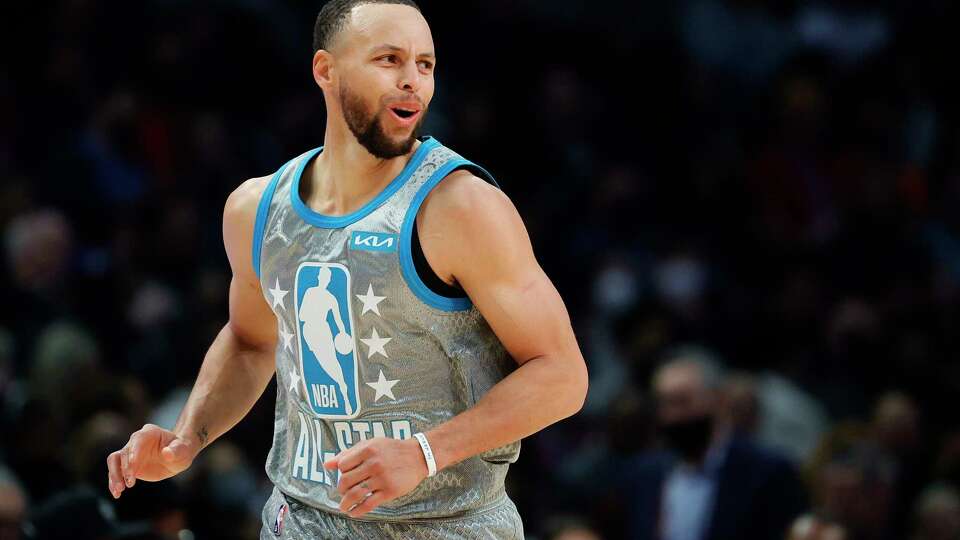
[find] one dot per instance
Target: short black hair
(333, 16)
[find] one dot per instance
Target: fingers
(353, 477)
(356, 495)
(136, 455)
(131, 456)
(348, 459)
(125, 465)
(114, 474)
(368, 504)
(128, 460)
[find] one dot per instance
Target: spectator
(937, 514)
(742, 404)
(13, 506)
(792, 421)
(568, 528)
(896, 429)
(711, 483)
(853, 484)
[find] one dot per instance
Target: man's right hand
(151, 454)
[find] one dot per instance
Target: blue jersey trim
(336, 222)
(486, 174)
(407, 268)
(263, 208)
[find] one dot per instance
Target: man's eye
(426, 65)
(389, 58)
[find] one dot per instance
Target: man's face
(681, 394)
(384, 61)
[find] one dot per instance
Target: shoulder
(465, 220)
(467, 205)
(462, 190)
(242, 202)
(239, 216)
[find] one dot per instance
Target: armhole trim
(407, 268)
(485, 174)
(263, 209)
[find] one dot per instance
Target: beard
(368, 129)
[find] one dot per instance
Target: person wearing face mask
(710, 482)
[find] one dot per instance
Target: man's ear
(323, 68)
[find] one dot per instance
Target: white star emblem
(278, 295)
(383, 387)
(294, 381)
(375, 344)
(370, 301)
(286, 336)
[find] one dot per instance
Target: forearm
(231, 379)
(542, 391)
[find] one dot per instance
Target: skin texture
(471, 235)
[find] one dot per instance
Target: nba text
(325, 395)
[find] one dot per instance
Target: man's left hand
(376, 471)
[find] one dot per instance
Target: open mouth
(405, 113)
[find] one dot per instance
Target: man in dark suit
(710, 483)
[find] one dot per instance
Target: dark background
(777, 182)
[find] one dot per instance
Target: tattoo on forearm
(203, 435)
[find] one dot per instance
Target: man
(454, 343)
(13, 505)
(712, 484)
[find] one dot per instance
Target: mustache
(405, 99)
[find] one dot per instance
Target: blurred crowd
(750, 208)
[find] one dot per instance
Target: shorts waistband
(491, 506)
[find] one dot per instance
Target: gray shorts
(303, 522)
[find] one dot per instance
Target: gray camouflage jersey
(366, 350)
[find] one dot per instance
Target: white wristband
(427, 453)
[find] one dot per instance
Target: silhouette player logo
(325, 336)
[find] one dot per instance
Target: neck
(345, 175)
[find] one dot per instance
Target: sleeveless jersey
(365, 349)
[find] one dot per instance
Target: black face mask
(689, 438)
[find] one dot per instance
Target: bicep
(250, 316)
(526, 313)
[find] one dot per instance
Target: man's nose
(409, 77)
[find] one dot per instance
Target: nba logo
(278, 523)
(325, 337)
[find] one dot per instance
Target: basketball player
(392, 289)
